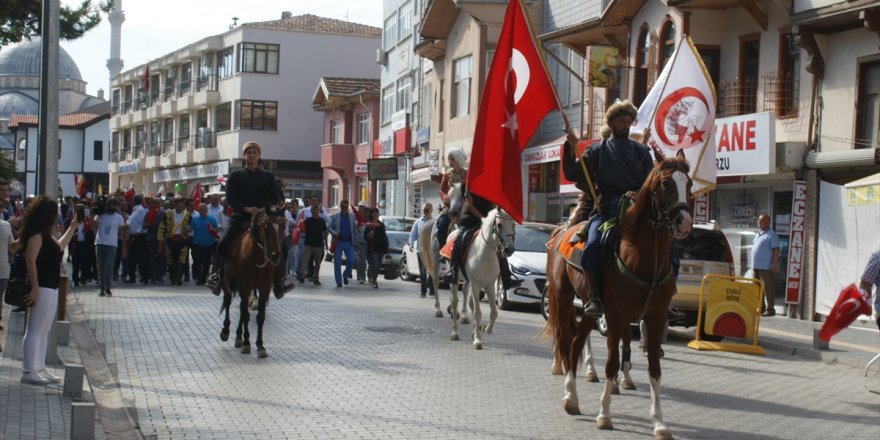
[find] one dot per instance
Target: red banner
(796, 243)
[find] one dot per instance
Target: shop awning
(865, 181)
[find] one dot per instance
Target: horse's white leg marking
(627, 382)
(453, 291)
(570, 400)
(475, 297)
(465, 300)
(591, 374)
(660, 428)
(493, 307)
(603, 420)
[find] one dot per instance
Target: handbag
(391, 271)
(18, 286)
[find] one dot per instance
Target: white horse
(480, 264)
(429, 252)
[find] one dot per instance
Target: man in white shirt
(137, 242)
(215, 209)
(111, 226)
(427, 210)
(5, 239)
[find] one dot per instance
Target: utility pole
(47, 157)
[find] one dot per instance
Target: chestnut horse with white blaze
(638, 285)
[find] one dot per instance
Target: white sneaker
(33, 379)
(45, 374)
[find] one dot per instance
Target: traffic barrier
(733, 309)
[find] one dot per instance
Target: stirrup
(593, 309)
(287, 284)
(213, 283)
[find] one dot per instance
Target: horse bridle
(663, 217)
(496, 230)
(262, 239)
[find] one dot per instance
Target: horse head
(505, 229)
(456, 199)
(670, 190)
(267, 230)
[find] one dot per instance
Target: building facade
(351, 126)
(182, 119)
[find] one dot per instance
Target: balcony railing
(114, 156)
(154, 95)
(168, 92)
(126, 106)
(739, 96)
(208, 82)
(205, 139)
(781, 94)
(114, 109)
(183, 87)
(183, 143)
(137, 152)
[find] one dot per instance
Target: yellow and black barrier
(733, 309)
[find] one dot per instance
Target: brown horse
(251, 265)
(638, 285)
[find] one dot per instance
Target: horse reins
(259, 243)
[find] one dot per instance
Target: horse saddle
(572, 250)
(466, 241)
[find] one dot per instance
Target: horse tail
(561, 318)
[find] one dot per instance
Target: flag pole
(663, 88)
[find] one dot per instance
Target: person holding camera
(42, 256)
(110, 227)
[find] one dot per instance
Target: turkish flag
(850, 304)
(147, 79)
(517, 95)
(196, 195)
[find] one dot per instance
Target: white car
(528, 264)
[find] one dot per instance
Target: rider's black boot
(213, 281)
(594, 307)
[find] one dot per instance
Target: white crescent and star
(519, 66)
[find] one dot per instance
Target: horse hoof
(224, 336)
(261, 353)
(238, 342)
(478, 345)
(628, 385)
(245, 349)
(604, 423)
(592, 376)
(556, 370)
(662, 434)
(571, 407)
(464, 320)
(454, 338)
(438, 314)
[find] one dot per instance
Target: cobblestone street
(356, 362)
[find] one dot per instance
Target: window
(258, 57)
(425, 114)
(640, 89)
(168, 130)
(363, 136)
(202, 118)
(461, 87)
(154, 133)
(667, 43)
(387, 103)
(333, 194)
(126, 140)
(59, 149)
(169, 84)
(223, 117)
(183, 127)
(258, 115)
(711, 56)
(404, 23)
(788, 80)
(224, 62)
(336, 131)
(185, 76)
(114, 106)
(363, 188)
(441, 108)
(404, 89)
(206, 71)
(140, 135)
(98, 150)
(389, 36)
(749, 56)
(868, 113)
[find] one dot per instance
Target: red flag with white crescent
(517, 95)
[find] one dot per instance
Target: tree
(19, 19)
(7, 168)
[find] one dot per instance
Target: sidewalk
(854, 346)
(29, 411)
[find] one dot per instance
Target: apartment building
(183, 118)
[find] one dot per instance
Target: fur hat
(621, 107)
(251, 144)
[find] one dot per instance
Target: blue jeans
(293, 255)
(590, 259)
(343, 247)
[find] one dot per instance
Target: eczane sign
(745, 145)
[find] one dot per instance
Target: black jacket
(246, 188)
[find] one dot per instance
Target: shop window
(868, 107)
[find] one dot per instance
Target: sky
(154, 28)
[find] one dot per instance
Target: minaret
(116, 17)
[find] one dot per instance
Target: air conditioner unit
(381, 57)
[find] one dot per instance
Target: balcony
(167, 93)
(114, 156)
(126, 106)
(155, 112)
(206, 92)
(183, 88)
(739, 96)
(114, 109)
(339, 157)
(781, 94)
(182, 144)
(204, 139)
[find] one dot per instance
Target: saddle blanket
(446, 250)
(571, 252)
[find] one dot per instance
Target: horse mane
(637, 211)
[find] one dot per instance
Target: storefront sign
(360, 169)
(417, 201)
(536, 155)
(194, 172)
(796, 243)
(603, 66)
(701, 208)
(745, 145)
(399, 120)
(423, 136)
(382, 169)
(128, 168)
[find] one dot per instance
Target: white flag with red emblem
(680, 113)
(517, 95)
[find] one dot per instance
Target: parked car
(397, 229)
(528, 264)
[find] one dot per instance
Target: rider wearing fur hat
(617, 166)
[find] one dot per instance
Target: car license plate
(692, 269)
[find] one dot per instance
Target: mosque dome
(23, 59)
(15, 102)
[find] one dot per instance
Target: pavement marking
(859, 347)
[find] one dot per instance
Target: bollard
(82, 421)
(52, 345)
(819, 344)
(73, 381)
(63, 286)
(63, 332)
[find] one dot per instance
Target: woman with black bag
(377, 245)
(42, 257)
